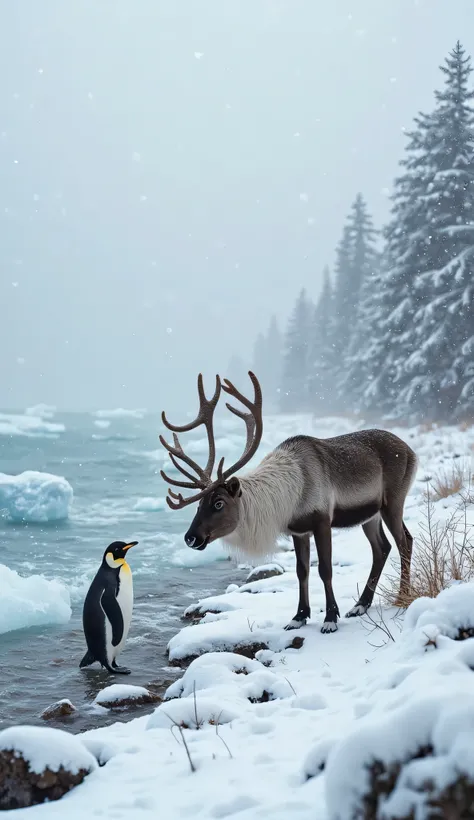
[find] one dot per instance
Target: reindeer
(304, 486)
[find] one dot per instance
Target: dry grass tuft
(445, 483)
(465, 425)
(443, 553)
(427, 427)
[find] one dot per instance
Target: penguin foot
(118, 670)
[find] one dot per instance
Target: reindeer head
(219, 500)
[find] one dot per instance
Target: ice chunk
(35, 497)
(46, 748)
(150, 504)
(31, 601)
(102, 424)
(120, 413)
(31, 426)
(41, 411)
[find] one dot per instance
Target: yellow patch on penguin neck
(115, 563)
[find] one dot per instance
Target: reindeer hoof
(357, 610)
(329, 626)
(294, 624)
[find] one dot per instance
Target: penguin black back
(108, 608)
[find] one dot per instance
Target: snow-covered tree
(259, 360)
(293, 395)
(440, 377)
(320, 383)
(366, 352)
(274, 345)
(424, 328)
(355, 265)
(237, 372)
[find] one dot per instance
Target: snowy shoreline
(278, 731)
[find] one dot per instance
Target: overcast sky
(173, 171)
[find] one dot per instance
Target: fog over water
(172, 173)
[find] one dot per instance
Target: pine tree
(293, 396)
(343, 306)
(259, 359)
(237, 371)
(438, 368)
(366, 353)
(424, 327)
(355, 266)
(320, 384)
(274, 346)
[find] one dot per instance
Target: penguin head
(116, 553)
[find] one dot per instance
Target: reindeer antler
(204, 476)
(253, 422)
(203, 479)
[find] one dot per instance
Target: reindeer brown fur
(306, 486)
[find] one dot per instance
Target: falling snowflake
(198, 55)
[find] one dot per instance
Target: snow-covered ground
(293, 731)
(34, 497)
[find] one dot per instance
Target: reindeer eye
(218, 505)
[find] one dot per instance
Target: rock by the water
(62, 708)
(121, 696)
(40, 764)
(265, 571)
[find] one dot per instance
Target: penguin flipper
(87, 660)
(113, 614)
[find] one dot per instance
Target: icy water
(111, 471)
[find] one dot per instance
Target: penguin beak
(131, 544)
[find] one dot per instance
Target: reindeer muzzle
(195, 543)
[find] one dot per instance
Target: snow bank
(28, 425)
(31, 601)
(120, 413)
(46, 748)
(293, 731)
(33, 497)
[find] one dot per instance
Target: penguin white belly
(125, 602)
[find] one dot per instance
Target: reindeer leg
(393, 519)
(381, 546)
(302, 548)
(322, 536)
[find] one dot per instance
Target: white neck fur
(270, 496)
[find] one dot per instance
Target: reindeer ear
(233, 487)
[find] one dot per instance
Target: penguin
(108, 609)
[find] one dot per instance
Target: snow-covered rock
(31, 601)
(417, 757)
(39, 765)
(120, 695)
(264, 571)
(62, 708)
(34, 497)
